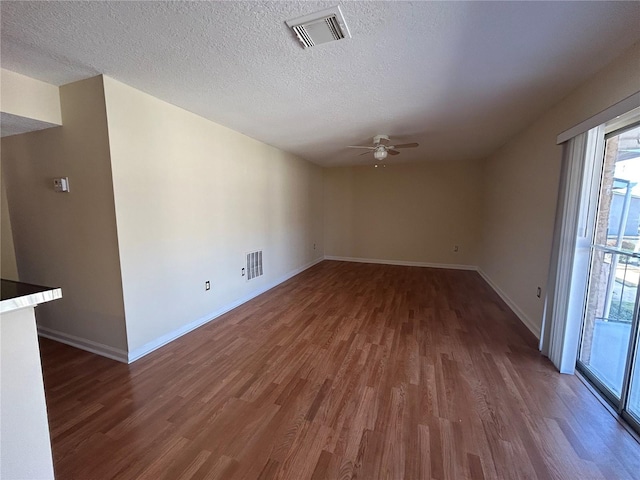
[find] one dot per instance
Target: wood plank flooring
(346, 371)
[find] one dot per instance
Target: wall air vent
(320, 27)
(254, 264)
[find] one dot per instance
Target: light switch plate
(61, 184)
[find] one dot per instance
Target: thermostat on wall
(61, 184)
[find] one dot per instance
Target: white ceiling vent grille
(254, 264)
(320, 27)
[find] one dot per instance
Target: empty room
(319, 240)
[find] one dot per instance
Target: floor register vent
(254, 264)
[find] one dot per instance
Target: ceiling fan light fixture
(380, 154)
(381, 147)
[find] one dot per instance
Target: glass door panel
(612, 298)
(610, 308)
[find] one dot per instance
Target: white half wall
(192, 198)
(25, 447)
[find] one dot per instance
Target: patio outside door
(608, 354)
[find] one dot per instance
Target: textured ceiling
(15, 124)
(460, 78)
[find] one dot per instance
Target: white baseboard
(168, 337)
(84, 344)
(512, 305)
(403, 263)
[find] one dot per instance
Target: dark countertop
(15, 295)
(10, 289)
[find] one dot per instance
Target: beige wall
(404, 212)
(521, 184)
(8, 266)
(30, 98)
(192, 197)
(69, 240)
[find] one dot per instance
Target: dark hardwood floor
(346, 371)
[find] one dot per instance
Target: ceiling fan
(381, 147)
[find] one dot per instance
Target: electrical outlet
(538, 292)
(207, 285)
(455, 248)
(243, 272)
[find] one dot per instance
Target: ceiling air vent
(320, 27)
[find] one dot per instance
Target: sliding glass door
(610, 334)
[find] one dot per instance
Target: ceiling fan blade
(365, 153)
(361, 146)
(405, 145)
(393, 152)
